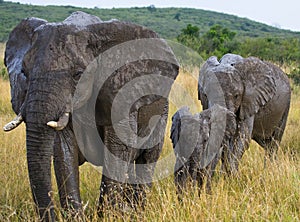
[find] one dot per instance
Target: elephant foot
(127, 200)
(271, 149)
(111, 196)
(47, 215)
(73, 215)
(72, 210)
(230, 166)
(136, 196)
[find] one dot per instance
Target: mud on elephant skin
(198, 141)
(258, 92)
(45, 62)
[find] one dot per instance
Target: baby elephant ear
(215, 132)
(259, 85)
(176, 124)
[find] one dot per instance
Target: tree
(151, 8)
(190, 37)
(177, 16)
(191, 30)
(217, 41)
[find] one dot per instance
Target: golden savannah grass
(259, 193)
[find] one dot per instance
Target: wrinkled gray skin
(257, 92)
(45, 62)
(197, 148)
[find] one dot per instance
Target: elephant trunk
(39, 143)
(39, 109)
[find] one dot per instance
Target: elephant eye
(77, 75)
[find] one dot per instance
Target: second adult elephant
(257, 92)
(47, 63)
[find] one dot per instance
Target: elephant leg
(232, 156)
(67, 172)
(117, 157)
(271, 146)
(193, 170)
(131, 187)
(210, 171)
(180, 178)
(201, 174)
(111, 194)
(144, 170)
(151, 121)
(234, 151)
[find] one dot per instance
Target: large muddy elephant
(259, 94)
(46, 62)
(198, 142)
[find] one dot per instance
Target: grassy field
(259, 193)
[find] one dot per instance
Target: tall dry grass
(259, 193)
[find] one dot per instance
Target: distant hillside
(168, 22)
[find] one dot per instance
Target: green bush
(168, 22)
(295, 76)
(4, 74)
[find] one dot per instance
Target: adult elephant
(46, 61)
(257, 92)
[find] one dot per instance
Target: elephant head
(45, 62)
(250, 88)
(198, 141)
(242, 85)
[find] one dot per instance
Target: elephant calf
(198, 141)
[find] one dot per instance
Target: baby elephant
(198, 141)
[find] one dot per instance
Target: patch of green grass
(3, 71)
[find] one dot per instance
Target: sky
(282, 14)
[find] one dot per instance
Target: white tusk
(61, 123)
(14, 123)
(52, 124)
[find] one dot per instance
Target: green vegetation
(168, 22)
(218, 40)
(3, 71)
(206, 32)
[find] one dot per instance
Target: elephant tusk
(52, 124)
(14, 123)
(61, 123)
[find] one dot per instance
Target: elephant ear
(213, 121)
(176, 124)
(204, 77)
(18, 44)
(186, 136)
(260, 86)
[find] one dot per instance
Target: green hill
(168, 22)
